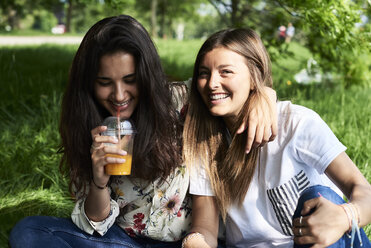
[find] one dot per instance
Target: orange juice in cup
(119, 169)
(124, 131)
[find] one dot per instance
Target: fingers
(266, 137)
(274, 131)
(323, 224)
(298, 222)
(302, 231)
(242, 128)
(102, 153)
(98, 140)
(262, 122)
(257, 135)
(250, 135)
(305, 234)
(309, 205)
(110, 159)
(96, 131)
(103, 156)
(302, 235)
(108, 155)
(274, 117)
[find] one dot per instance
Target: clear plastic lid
(126, 126)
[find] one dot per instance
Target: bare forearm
(199, 238)
(209, 239)
(205, 221)
(361, 198)
(345, 174)
(97, 203)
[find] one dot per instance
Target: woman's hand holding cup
(99, 153)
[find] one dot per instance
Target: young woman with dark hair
(282, 194)
(117, 68)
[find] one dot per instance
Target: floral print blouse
(160, 211)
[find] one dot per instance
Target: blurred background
(336, 33)
(320, 51)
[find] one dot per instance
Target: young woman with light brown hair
(277, 195)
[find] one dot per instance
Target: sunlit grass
(178, 57)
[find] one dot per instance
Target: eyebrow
(219, 66)
(125, 77)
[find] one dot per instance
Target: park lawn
(32, 79)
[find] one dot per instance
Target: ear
(252, 79)
(252, 85)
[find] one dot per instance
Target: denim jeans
(53, 232)
(329, 194)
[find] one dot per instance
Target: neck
(230, 122)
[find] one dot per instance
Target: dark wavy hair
(157, 144)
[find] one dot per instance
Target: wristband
(191, 235)
(357, 212)
(355, 227)
(346, 210)
(99, 187)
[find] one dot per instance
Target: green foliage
(85, 14)
(286, 66)
(167, 13)
(331, 35)
(43, 20)
(208, 22)
(327, 28)
(13, 11)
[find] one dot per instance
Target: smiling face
(115, 87)
(224, 83)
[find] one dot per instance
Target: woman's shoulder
(297, 119)
(287, 110)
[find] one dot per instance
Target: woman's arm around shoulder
(262, 121)
(205, 224)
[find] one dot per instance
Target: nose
(118, 92)
(214, 81)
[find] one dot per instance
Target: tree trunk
(234, 17)
(163, 19)
(69, 15)
(12, 18)
(154, 19)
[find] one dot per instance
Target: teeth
(218, 96)
(121, 104)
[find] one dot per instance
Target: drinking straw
(119, 126)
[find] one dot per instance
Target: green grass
(178, 57)
(32, 79)
(34, 32)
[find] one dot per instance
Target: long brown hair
(230, 169)
(157, 146)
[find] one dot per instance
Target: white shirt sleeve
(82, 221)
(199, 183)
(316, 145)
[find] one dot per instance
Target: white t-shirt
(295, 160)
(290, 31)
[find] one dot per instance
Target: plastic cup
(124, 131)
